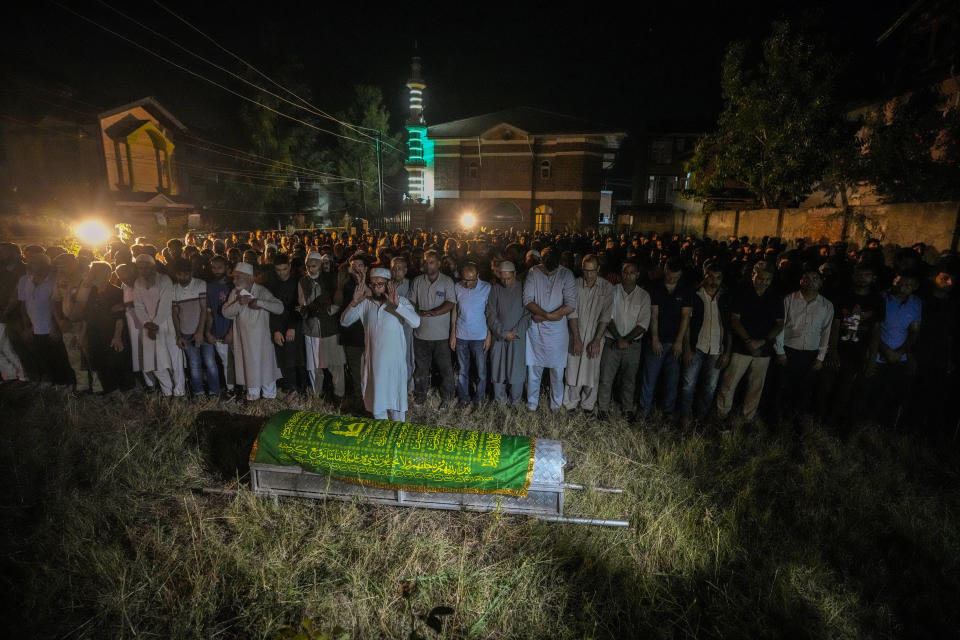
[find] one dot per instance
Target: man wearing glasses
(383, 312)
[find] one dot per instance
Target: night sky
(652, 65)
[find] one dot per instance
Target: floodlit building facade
(525, 168)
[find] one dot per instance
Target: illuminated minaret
(416, 163)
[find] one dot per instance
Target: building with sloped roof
(523, 167)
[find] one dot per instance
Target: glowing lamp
(468, 220)
(93, 233)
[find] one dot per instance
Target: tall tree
(911, 148)
(282, 155)
(780, 126)
(354, 156)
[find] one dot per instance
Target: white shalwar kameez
(254, 357)
(384, 363)
(547, 341)
(161, 356)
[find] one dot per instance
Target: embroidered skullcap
(314, 255)
(380, 272)
(506, 265)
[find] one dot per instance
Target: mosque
(522, 167)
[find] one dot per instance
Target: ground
(736, 531)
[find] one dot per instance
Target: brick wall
(933, 223)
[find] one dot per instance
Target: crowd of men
(636, 323)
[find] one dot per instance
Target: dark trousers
(288, 358)
(428, 353)
(112, 367)
(354, 356)
(797, 381)
(50, 360)
(890, 390)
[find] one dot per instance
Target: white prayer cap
(534, 253)
(145, 258)
(506, 265)
(243, 267)
(380, 272)
(314, 255)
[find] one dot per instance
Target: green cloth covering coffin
(398, 455)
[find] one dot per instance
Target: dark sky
(630, 65)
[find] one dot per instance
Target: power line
(314, 109)
(309, 108)
(201, 76)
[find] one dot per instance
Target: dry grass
(751, 532)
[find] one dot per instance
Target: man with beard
(508, 321)
(285, 327)
(433, 295)
(550, 294)
(189, 318)
(250, 306)
(153, 306)
(218, 330)
(383, 313)
(321, 326)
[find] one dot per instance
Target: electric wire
(201, 76)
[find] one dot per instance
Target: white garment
(806, 325)
(10, 365)
(155, 304)
(593, 307)
(254, 357)
(384, 365)
(547, 341)
(133, 328)
(629, 310)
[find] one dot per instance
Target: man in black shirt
(857, 308)
(670, 306)
(929, 410)
(285, 327)
(756, 318)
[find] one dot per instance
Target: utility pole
(380, 174)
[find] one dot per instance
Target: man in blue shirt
(893, 366)
(471, 339)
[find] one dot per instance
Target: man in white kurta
(383, 313)
(587, 324)
(249, 305)
(153, 307)
(550, 294)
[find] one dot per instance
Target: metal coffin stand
(544, 497)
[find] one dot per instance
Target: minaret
(416, 134)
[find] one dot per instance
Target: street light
(93, 233)
(468, 220)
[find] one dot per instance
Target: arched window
(546, 170)
(473, 170)
(543, 219)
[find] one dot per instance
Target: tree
(780, 126)
(283, 155)
(354, 156)
(911, 149)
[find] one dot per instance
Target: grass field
(749, 532)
